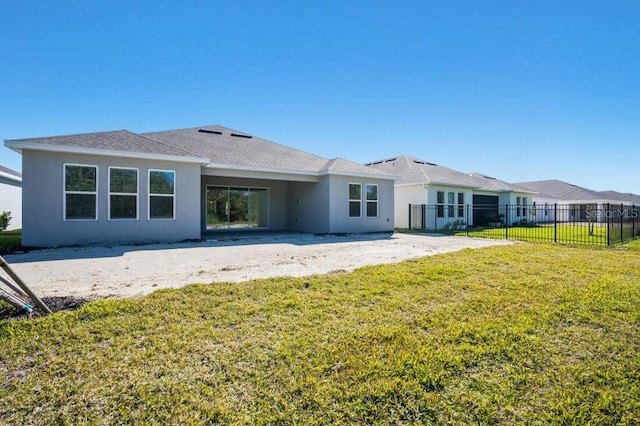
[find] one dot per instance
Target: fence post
(466, 221)
(633, 221)
(506, 226)
(621, 211)
(555, 222)
(607, 215)
(424, 216)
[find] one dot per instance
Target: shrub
(5, 218)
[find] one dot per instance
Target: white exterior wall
(11, 200)
(435, 222)
(43, 222)
(405, 195)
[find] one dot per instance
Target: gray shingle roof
(622, 197)
(216, 145)
(222, 145)
(560, 190)
(117, 140)
(564, 191)
(493, 184)
(415, 171)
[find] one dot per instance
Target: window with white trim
(162, 194)
(440, 203)
(460, 204)
(80, 192)
(372, 200)
(123, 193)
(518, 208)
(355, 200)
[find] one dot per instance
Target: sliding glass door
(236, 208)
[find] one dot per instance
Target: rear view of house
(119, 186)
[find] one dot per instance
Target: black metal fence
(583, 224)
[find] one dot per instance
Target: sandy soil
(130, 270)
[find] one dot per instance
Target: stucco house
(576, 203)
(120, 186)
(455, 197)
(11, 196)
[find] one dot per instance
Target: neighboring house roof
(414, 171)
(493, 184)
(623, 197)
(212, 146)
(568, 192)
(10, 174)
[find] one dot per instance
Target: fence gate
(417, 216)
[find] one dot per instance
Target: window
(162, 194)
(372, 200)
(123, 193)
(546, 209)
(451, 200)
(524, 206)
(460, 204)
(518, 208)
(440, 203)
(355, 200)
(80, 192)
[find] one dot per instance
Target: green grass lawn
(522, 334)
(10, 240)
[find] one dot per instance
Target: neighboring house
(574, 203)
(11, 196)
(450, 191)
(119, 186)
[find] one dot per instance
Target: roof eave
(18, 146)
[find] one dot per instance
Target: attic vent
(377, 162)
(488, 177)
(431, 164)
(389, 160)
(418, 162)
(213, 132)
(241, 136)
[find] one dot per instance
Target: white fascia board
(454, 185)
(20, 146)
(10, 176)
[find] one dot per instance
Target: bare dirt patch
(88, 273)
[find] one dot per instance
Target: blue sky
(517, 90)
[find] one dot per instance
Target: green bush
(5, 218)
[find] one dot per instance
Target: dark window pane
(80, 178)
(80, 206)
(161, 182)
(372, 192)
(372, 209)
(450, 211)
(354, 208)
(355, 191)
(123, 180)
(440, 210)
(161, 207)
(440, 197)
(124, 207)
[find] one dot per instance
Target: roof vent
(389, 160)
(431, 164)
(213, 132)
(418, 162)
(237, 135)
